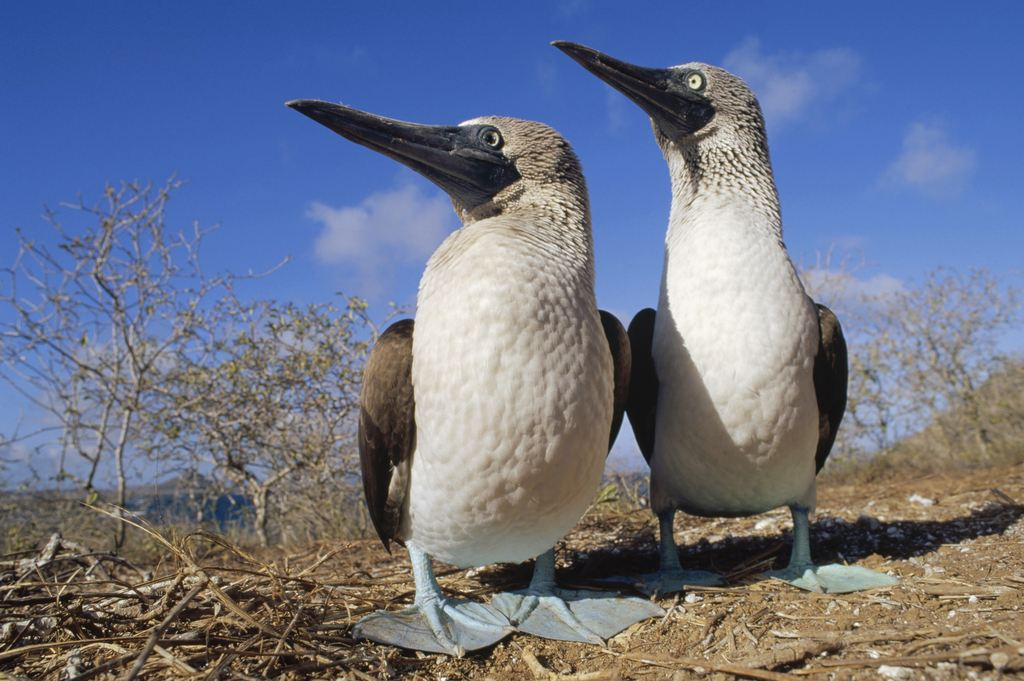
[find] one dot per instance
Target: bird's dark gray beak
(451, 157)
(672, 106)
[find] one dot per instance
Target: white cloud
(387, 227)
(789, 84)
(616, 105)
(929, 162)
(843, 291)
(547, 77)
(14, 453)
(567, 9)
(21, 463)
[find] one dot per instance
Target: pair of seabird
(484, 426)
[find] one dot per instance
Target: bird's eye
(695, 81)
(492, 138)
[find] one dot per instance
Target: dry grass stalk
(245, 615)
(212, 610)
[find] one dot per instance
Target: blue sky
(894, 127)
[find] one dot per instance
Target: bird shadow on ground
(837, 539)
(633, 549)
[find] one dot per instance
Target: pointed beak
(449, 156)
(673, 108)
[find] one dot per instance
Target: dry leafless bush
(265, 401)
(92, 320)
(134, 355)
(927, 379)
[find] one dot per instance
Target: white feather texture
(513, 384)
(735, 335)
(734, 347)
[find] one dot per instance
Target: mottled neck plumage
(557, 211)
(551, 192)
(719, 167)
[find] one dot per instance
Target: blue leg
(434, 623)
(803, 573)
(545, 610)
(670, 577)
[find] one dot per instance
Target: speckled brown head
(487, 165)
(550, 177)
(706, 120)
(690, 103)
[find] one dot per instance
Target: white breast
(734, 346)
(513, 385)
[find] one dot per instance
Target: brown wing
(387, 428)
(643, 385)
(618, 343)
(830, 377)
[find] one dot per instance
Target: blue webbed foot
(830, 579)
(445, 626)
(547, 611)
(571, 615)
(833, 578)
(434, 623)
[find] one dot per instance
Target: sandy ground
(955, 541)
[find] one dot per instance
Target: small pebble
(693, 598)
(898, 673)
(999, 661)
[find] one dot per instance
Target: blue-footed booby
(485, 424)
(739, 379)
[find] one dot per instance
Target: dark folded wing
(618, 343)
(642, 405)
(387, 428)
(830, 377)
